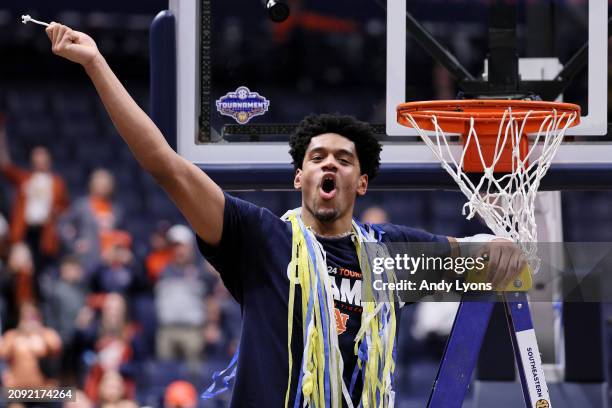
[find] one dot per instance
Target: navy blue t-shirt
(252, 259)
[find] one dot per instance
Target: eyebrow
(318, 149)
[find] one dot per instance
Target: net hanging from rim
(499, 169)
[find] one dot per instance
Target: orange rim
(454, 116)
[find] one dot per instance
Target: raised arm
(200, 200)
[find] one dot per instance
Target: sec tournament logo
(242, 105)
(542, 404)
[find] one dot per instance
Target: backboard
(242, 81)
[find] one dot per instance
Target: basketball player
(334, 157)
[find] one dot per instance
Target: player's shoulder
(249, 212)
(246, 207)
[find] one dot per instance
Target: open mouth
(328, 188)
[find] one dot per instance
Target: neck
(337, 227)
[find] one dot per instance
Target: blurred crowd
(79, 309)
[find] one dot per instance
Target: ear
(297, 180)
(362, 185)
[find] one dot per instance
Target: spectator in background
(21, 269)
(180, 394)
(65, 299)
(117, 270)
(30, 350)
(40, 197)
(374, 215)
(179, 299)
(433, 322)
(110, 337)
(18, 282)
(161, 252)
(112, 392)
(90, 219)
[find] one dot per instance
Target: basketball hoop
(494, 135)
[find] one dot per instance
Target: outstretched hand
(506, 261)
(72, 45)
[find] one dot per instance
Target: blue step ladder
(463, 347)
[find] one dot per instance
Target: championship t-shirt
(252, 259)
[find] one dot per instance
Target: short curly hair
(360, 133)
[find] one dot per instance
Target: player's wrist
(95, 63)
(470, 246)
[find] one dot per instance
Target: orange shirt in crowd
(156, 262)
(59, 202)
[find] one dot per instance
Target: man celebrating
(40, 198)
(306, 336)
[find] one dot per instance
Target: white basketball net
(505, 202)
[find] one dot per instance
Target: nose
(330, 163)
